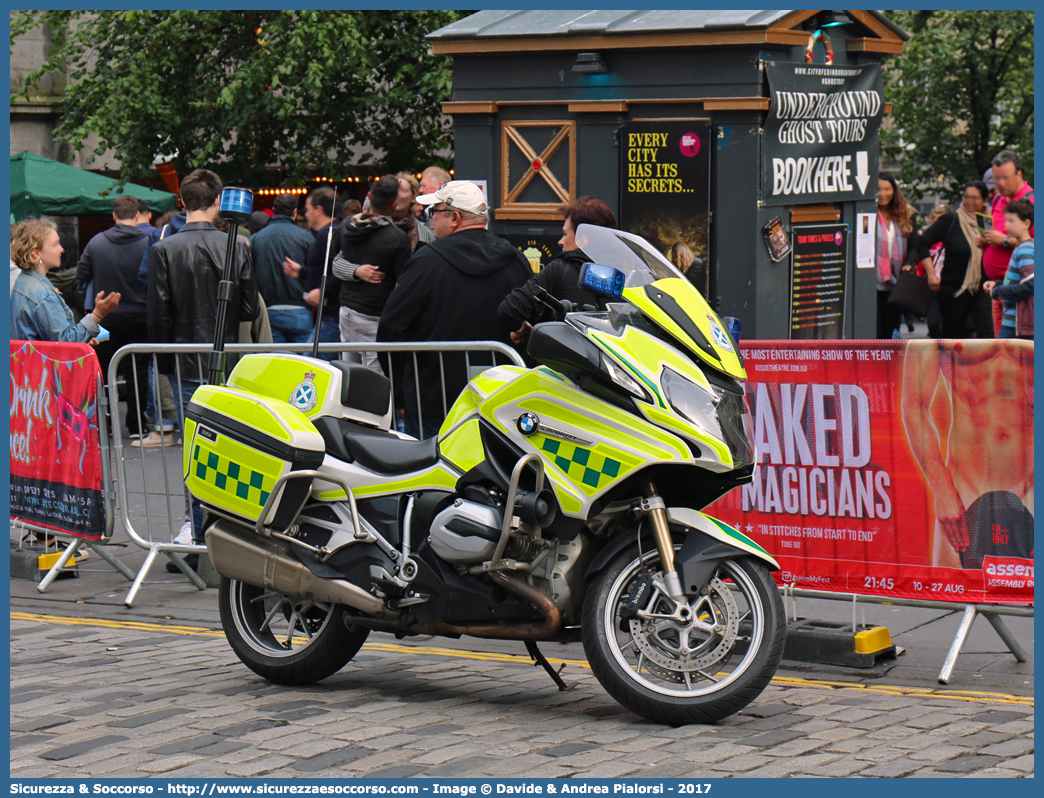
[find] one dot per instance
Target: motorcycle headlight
(719, 413)
(694, 402)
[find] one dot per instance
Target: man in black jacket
(373, 256)
(111, 260)
(184, 273)
(451, 292)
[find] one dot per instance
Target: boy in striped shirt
(1017, 290)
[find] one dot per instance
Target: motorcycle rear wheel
(678, 673)
(286, 640)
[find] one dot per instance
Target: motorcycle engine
(466, 532)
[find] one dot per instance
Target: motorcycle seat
(375, 449)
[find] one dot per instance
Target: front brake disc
(659, 640)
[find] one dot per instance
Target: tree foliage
(238, 90)
(962, 92)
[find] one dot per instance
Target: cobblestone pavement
(95, 698)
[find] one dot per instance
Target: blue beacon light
(236, 204)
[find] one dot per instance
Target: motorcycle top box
(237, 447)
(338, 389)
(245, 436)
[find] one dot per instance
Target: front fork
(657, 510)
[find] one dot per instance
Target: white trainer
(184, 536)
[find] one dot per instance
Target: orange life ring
(812, 37)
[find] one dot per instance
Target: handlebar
(558, 307)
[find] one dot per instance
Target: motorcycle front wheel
(286, 640)
(678, 665)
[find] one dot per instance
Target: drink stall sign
(817, 291)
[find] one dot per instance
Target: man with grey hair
(419, 233)
(996, 244)
(451, 291)
(432, 179)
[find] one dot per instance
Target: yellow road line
(483, 656)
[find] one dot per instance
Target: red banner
(56, 476)
(893, 468)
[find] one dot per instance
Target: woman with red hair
(520, 310)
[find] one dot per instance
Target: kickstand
(541, 660)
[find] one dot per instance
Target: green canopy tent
(41, 186)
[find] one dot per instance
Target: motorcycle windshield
(631, 254)
(662, 293)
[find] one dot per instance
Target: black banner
(66, 508)
(820, 140)
(818, 281)
(665, 190)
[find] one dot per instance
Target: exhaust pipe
(548, 629)
(245, 556)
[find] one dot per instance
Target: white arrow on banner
(862, 170)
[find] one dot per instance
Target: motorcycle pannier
(236, 448)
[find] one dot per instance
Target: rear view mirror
(602, 280)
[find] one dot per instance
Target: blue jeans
(291, 326)
(1006, 332)
(183, 390)
(330, 333)
(159, 423)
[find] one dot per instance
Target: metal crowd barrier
(991, 612)
(161, 483)
(76, 543)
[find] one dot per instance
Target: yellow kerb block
(45, 562)
(872, 640)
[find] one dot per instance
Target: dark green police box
(699, 129)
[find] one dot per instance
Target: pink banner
(893, 468)
(56, 474)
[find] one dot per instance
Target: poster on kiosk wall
(894, 468)
(665, 191)
(817, 280)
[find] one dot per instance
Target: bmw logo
(527, 423)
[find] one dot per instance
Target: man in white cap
(450, 291)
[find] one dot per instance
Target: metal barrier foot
(193, 577)
(52, 574)
(102, 552)
(132, 594)
(958, 643)
(1005, 634)
(150, 560)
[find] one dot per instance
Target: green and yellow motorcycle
(557, 503)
